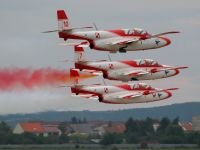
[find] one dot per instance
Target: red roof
(186, 126)
(115, 128)
(32, 127)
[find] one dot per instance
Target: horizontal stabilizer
(183, 67)
(83, 44)
(161, 90)
(161, 34)
(88, 96)
(68, 29)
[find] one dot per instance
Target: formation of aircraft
(124, 70)
(119, 94)
(117, 40)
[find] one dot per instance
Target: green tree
(84, 120)
(175, 121)
(63, 139)
(164, 123)
(62, 128)
(4, 127)
(174, 130)
(74, 120)
(148, 126)
(111, 138)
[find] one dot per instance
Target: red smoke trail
(14, 78)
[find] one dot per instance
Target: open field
(97, 147)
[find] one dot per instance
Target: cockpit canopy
(139, 31)
(148, 63)
(142, 86)
(136, 31)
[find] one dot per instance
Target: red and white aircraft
(125, 70)
(121, 40)
(119, 94)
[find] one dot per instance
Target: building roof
(82, 128)
(186, 126)
(115, 128)
(51, 129)
(32, 127)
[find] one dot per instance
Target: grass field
(99, 147)
(91, 149)
(95, 149)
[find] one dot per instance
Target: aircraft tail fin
(64, 25)
(63, 21)
(74, 76)
(79, 54)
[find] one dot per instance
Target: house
(111, 127)
(49, 130)
(156, 125)
(37, 128)
(186, 126)
(82, 128)
(29, 127)
(115, 128)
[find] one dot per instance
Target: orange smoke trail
(25, 78)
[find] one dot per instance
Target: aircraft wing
(129, 40)
(165, 69)
(161, 34)
(122, 40)
(94, 72)
(88, 96)
(159, 90)
(68, 29)
(131, 72)
(126, 95)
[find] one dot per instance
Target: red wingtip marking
(182, 67)
(61, 14)
(78, 49)
(173, 32)
(172, 89)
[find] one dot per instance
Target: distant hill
(185, 111)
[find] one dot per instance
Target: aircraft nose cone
(177, 71)
(169, 94)
(166, 41)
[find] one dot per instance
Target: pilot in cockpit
(140, 31)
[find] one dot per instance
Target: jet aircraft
(119, 94)
(124, 70)
(115, 40)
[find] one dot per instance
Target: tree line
(142, 131)
(137, 132)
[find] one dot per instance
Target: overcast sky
(23, 45)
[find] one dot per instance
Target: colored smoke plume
(25, 78)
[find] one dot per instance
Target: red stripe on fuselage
(84, 66)
(130, 88)
(134, 64)
(125, 87)
(71, 36)
(129, 62)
